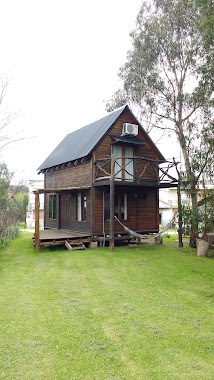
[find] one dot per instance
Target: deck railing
(133, 169)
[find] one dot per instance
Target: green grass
(144, 312)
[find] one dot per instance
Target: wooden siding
(142, 210)
(80, 175)
(66, 212)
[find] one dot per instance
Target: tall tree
(167, 75)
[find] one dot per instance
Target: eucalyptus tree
(167, 76)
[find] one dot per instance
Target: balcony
(132, 171)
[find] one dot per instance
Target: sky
(61, 59)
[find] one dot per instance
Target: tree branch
(191, 113)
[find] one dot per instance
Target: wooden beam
(37, 240)
(93, 202)
(55, 190)
(111, 222)
(103, 170)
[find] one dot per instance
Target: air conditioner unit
(130, 129)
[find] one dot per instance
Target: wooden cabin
(78, 173)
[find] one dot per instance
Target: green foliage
(21, 187)
(5, 178)
(190, 218)
(12, 207)
(206, 22)
(206, 208)
(204, 218)
(21, 200)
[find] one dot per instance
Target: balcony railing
(137, 170)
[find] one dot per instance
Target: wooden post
(92, 194)
(111, 224)
(37, 241)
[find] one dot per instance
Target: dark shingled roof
(80, 143)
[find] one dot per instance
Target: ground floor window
(81, 207)
(120, 206)
(52, 206)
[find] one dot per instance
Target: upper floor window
(124, 166)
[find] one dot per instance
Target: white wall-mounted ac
(130, 129)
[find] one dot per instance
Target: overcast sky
(62, 59)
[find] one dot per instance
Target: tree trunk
(180, 216)
(192, 182)
(194, 221)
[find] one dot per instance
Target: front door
(65, 209)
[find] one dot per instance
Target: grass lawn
(139, 313)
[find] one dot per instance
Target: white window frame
(128, 171)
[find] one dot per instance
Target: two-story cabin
(77, 178)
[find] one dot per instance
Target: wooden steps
(72, 246)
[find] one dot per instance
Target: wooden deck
(54, 237)
(51, 234)
(51, 237)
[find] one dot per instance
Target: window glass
(120, 206)
(106, 205)
(129, 164)
(81, 207)
(116, 206)
(52, 206)
(123, 206)
(84, 203)
(124, 167)
(117, 151)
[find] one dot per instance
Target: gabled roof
(80, 143)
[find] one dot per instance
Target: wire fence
(9, 233)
